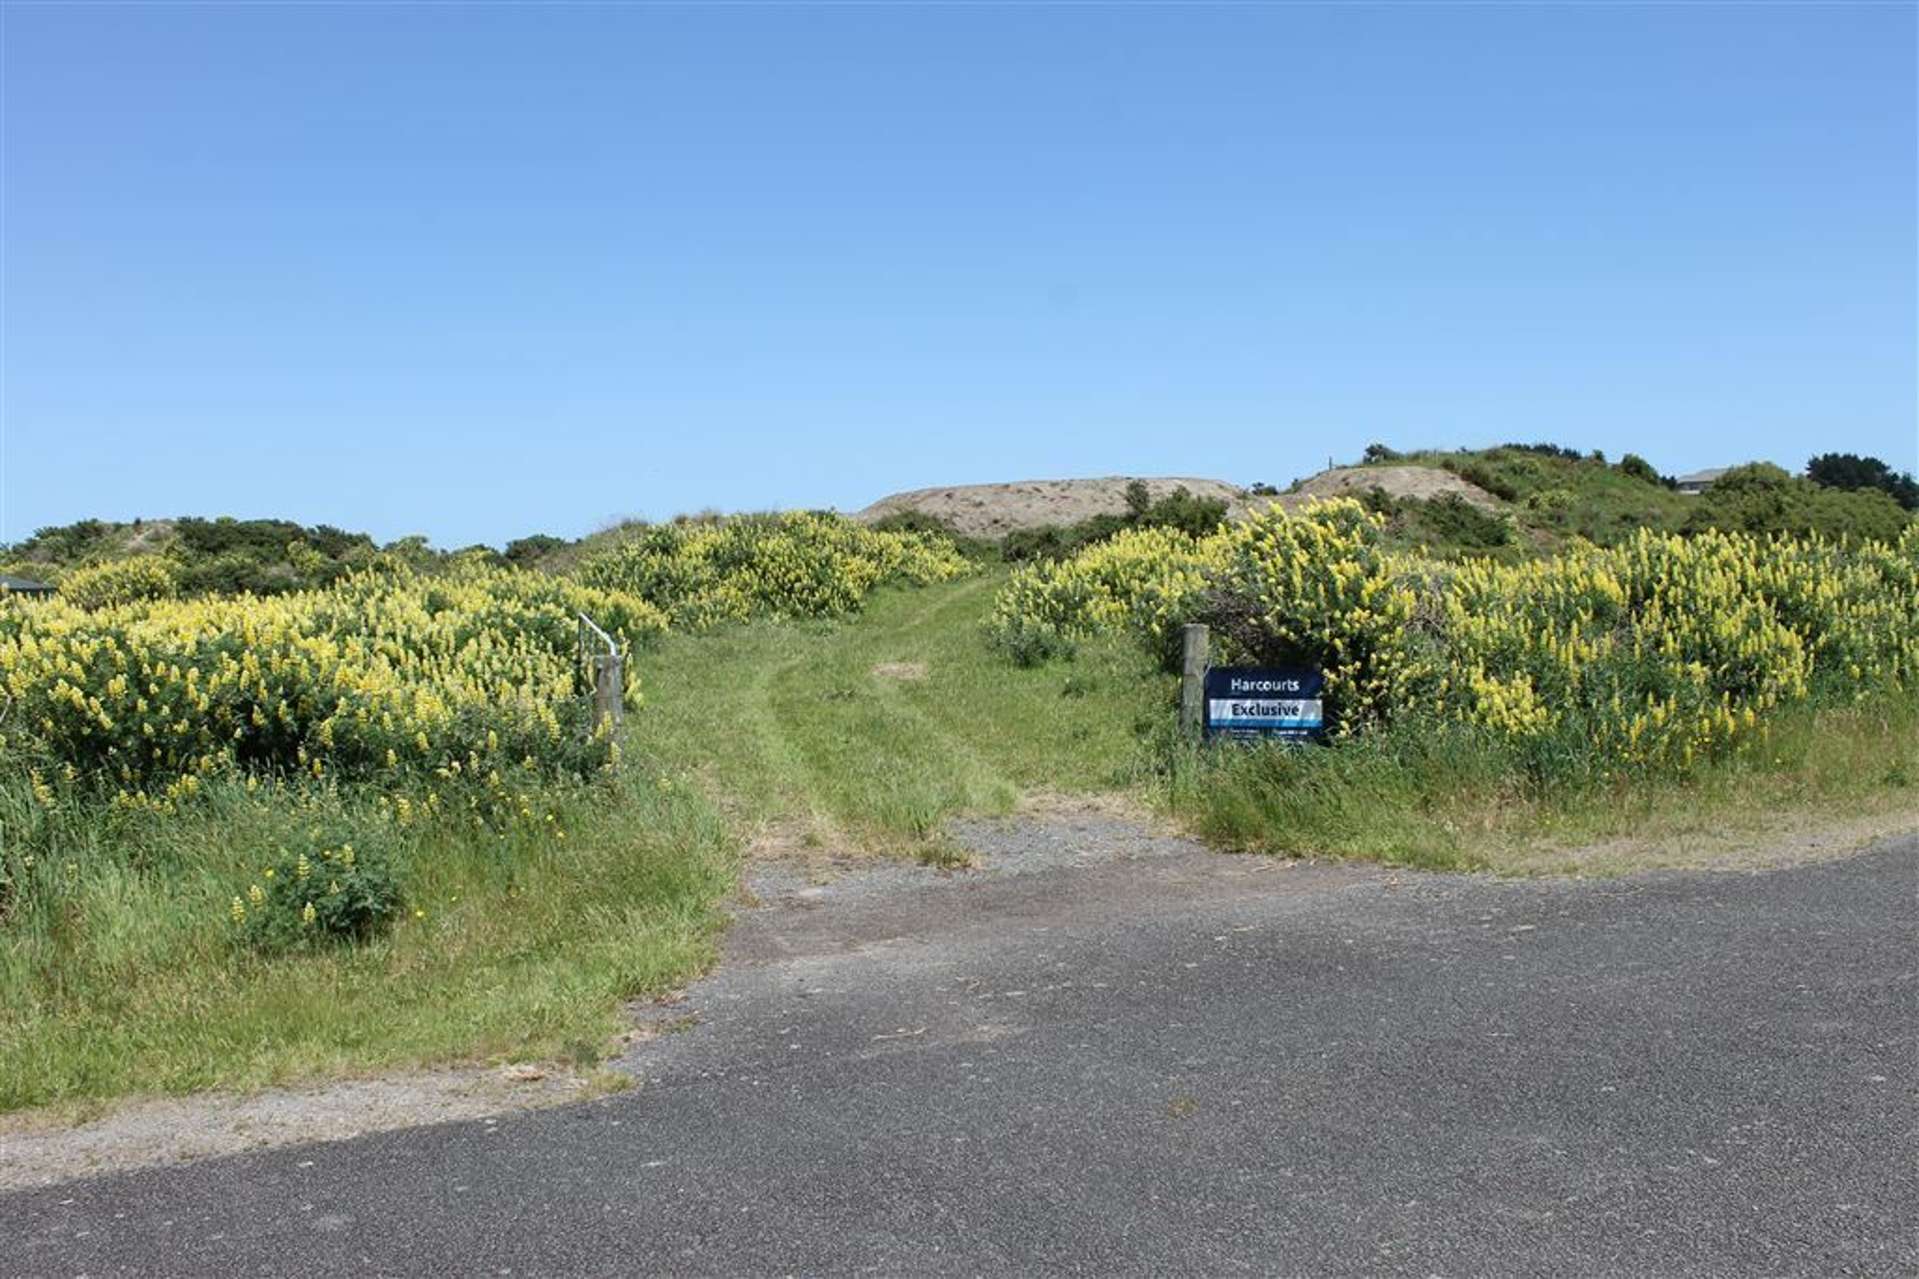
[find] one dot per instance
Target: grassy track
(867, 734)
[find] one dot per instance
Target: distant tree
(1139, 499)
(1180, 509)
(1851, 471)
(527, 550)
(478, 553)
(412, 550)
(1380, 453)
(1638, 468)
(1544, 449)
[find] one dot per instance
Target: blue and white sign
(1265, 701)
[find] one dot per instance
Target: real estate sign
(1265, 702)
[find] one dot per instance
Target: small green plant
(333, 889)
(1449, 520)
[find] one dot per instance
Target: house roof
(25, 585)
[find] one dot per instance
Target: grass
(860, 737)
(866, 735)
(523, 948)
(1447, 800)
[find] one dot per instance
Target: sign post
(1195, 641)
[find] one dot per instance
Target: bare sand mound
(994, 510)
(1423, 482)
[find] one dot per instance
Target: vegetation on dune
(1557, 496)
(1179, 509)
(387, 673)
(794, 565)
(257, 780)
(206, 556)
(1849, 471)
(1762, 498)
(1657, 654)
(223, 815)
(1669, 688)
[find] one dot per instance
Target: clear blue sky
(480, 272)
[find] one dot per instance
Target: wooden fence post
(609, 701)
(1196, 641)
(609, 684)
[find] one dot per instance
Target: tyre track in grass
(849, 660)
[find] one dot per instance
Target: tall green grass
(1442, 796)
(121, 971)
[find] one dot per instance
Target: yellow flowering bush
(790, 565)
(388, 672)
(1146, 580)
(139, 577)
(1316, 589)
(1662, 650)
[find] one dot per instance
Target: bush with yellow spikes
(380, 674)
(1661, 651)
(798, 564)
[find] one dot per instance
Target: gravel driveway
(1112, 1054)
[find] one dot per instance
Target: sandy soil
(40, 1148)
(994, 510)
(1424, 482)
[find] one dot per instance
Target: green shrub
(1179, 510)
(337, 887)
(919, 522)
(1639, 468)
(527, 551)
(1478, 473)
(1450, 520)
(1762, 499)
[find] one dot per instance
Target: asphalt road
(1167, 1063)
